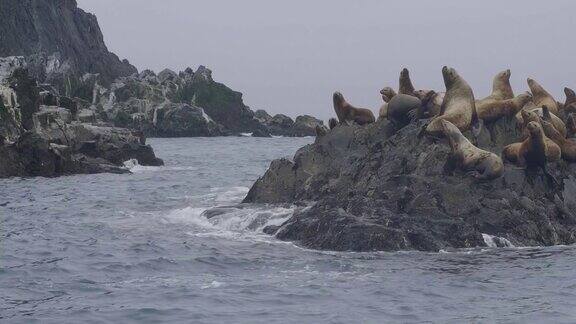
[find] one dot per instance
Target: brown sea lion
(332, 123)
(501, 88)
(528, 115)
(536, 150)
(348, 113)
(541, 97)
(387, 95)
(567, 147)
(406, 86)
(571, 125)
(492, 109)
(458, 106)
(569, 105)
(482, 165)
(431, 102)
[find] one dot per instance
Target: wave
(495, 241)
(134, 167)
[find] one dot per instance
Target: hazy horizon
(289, 57)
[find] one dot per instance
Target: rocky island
(387, 186)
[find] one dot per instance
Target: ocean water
(137, 248)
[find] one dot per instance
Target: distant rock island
(68, 105)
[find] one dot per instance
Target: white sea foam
(246, 134)
(135, 167)
(495, 241)
(213, 284)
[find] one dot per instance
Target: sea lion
(348, 113)
(458, 106)
(534, 114)
(431, 102)
(570, 125)
(403, 108)
(383, 111)
(492, 109)
(541, 97)
(567, 147)
(536, 150)
(387, 95)
(482, 165)
(569, 105)
(332, 123)
(555, 121)
(501, 88)
(406, 86)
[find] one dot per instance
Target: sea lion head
(451, 132)
(550, 131)
(546, 113)
(450, 76)
(504, 75)
(570, 96)
(425, 95)
(332, 123)
(404, 73)
(338, 98)
(387, 94)
(534, 128)
(524, 98)
(529, 116)
(535, 87)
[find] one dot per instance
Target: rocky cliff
(40, 134)
(60, 40)
(381, 188)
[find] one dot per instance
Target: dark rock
(380, 188)
(43, 28)
(260, 133)
(305, 126)
(262, 116)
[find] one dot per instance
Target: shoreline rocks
(49, 140)
(379, 188)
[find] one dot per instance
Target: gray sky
(290, 56)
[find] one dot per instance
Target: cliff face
(60, 36)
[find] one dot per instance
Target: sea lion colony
(547, 126)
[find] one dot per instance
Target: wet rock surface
(50, 140)
(379, 188)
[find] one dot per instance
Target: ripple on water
(170, 244)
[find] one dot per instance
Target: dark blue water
(136, 248)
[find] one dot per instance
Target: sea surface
(137, 248)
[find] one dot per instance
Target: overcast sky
(290, 56)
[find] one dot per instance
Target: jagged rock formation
(47, 140)
(282, 125)
(60, 40)
(379, 188)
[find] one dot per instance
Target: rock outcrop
(48, 140)
(378, 188)
(282, 125)
(60, 40)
